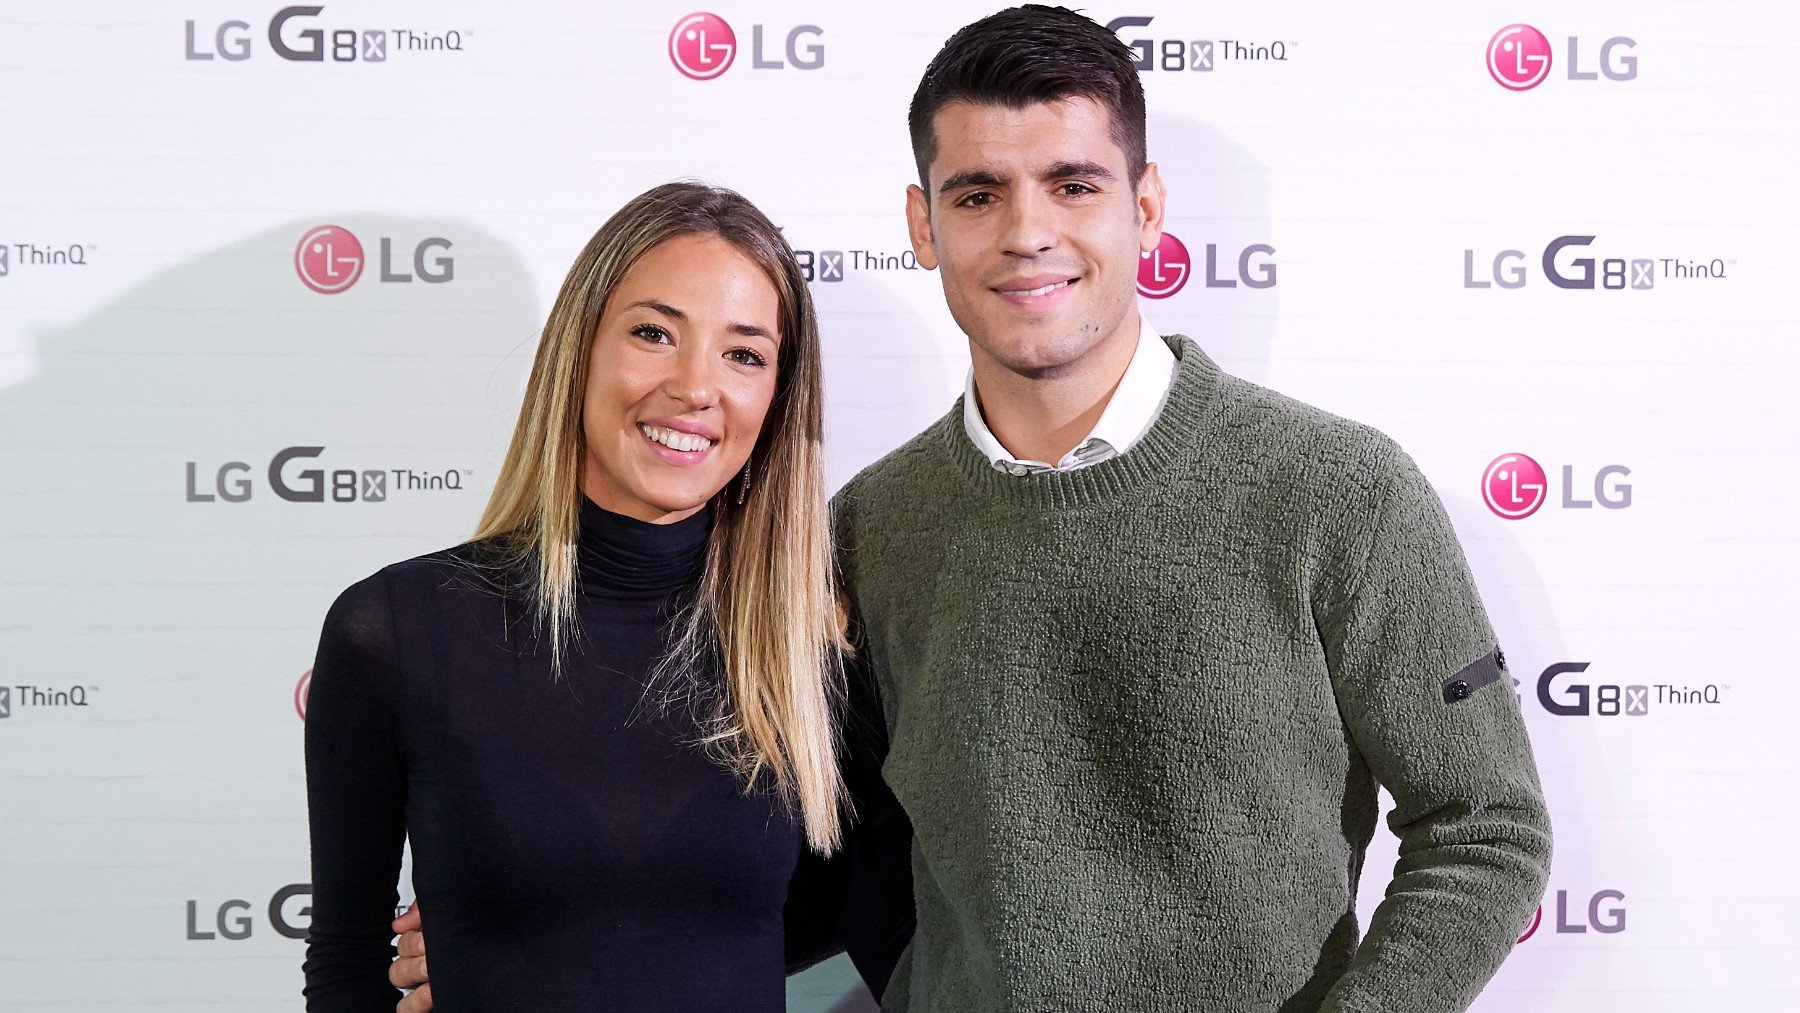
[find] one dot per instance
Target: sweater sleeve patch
(1484, 670)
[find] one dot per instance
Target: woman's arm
(860, 899)
(815, 907)
(356, 798)
(878, 916)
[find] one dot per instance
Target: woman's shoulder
(484, 560)
(368, 606)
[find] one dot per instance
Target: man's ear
(918, 227)
(1152, 201)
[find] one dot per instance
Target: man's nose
(1030, 224)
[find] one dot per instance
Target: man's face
(1032, 219)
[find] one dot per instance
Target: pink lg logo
(1513, 486)
(329, 259)
(702, 46)
(1536, 920)
(1163, 271)
(1519, 57)
(301, 692)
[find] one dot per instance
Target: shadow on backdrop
(1218, 197)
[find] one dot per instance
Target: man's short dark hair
(1026, 55)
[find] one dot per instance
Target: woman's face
(680, 377)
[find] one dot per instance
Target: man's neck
(1042, 418)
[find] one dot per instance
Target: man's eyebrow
(1084, 169)
(661, 307)
(1058, 170)
(972, 177)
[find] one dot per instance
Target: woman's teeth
(675, 439)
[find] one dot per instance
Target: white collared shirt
(1128, 414)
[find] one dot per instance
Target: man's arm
(1424, 692)
(408, 969)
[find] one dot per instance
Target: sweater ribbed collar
(1191, 412)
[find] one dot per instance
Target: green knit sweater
(1138, 713)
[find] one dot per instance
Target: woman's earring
(744, 489)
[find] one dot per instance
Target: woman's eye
(745, 356)
(651, 333)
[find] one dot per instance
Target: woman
(607, 723)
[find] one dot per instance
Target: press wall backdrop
(271, 277)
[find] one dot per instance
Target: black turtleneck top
(572, 848)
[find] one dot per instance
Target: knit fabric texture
(1138, 713)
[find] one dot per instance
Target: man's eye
(980, 198)
(746, 357)
(651, 333)
(1077, 189)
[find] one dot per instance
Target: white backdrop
(1359, 171)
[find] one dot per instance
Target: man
(1147, 636)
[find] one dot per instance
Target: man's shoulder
(1297, 443)
(920, 461)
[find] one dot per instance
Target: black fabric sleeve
(356, 799)
(878, 916)
(814, 911)
(860, 898)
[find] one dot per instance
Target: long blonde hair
(766, 610)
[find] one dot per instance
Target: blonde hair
(766, 610)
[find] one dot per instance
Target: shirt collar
(1128, 414)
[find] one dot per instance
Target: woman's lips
(688, 449)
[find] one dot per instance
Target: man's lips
(1036, 292)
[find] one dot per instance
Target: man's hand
(408, 969)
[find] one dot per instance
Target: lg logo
(835, 265)
(1514, 487)
(329, 259)
(1192, 54)
(48, 255)
(1611, 700)
(1581, 271)
(1164, 271)
(1519, 58)
(231, 40)
(1614, 700)
(703, 46)
(231, 484)
(233, 920)
(1606, 920)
